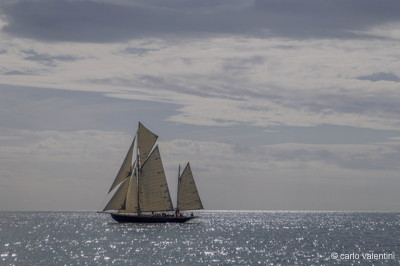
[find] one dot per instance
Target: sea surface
(217, 238)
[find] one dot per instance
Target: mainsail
(153, 190)
(188, 196)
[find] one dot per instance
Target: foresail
(153, 188)
(125, 170)
(146, 141)
(188, 196)
(117, 202)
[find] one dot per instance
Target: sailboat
(141, 193)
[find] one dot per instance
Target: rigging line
(102, 203)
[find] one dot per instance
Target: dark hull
(125, 218)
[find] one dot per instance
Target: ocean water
(217, 238)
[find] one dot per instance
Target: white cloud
(228, 80)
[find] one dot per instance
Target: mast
(179, 179)
(144, 149)
(138, 170)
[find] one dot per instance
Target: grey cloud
(137, 51)
(327, 18)
(16, 72)
(48, 59)
(374, 160)
(90, 21)
(362, 156)
(375, 104)
(329, 134)
(240, 65)
(381, 157)
(380, 76)
(177, 84)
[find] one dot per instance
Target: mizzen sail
(188, 196)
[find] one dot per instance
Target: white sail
(153, 188)
(146, 140)
(131, 204)
(126, 168)
(188, 196)
(117, 202)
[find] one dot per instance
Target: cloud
(229, 101)
(46, 59)
(48, 109)
(137, 51)
(373, 157)
(215, 155)
(55, 170)
(381, 76)
(240, 65)
(17, 72)
(268, 106)
(225, 81)
(304, 173)
(60, 167)
(331, 18)
(107, 21)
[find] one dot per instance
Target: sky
(277, 104)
